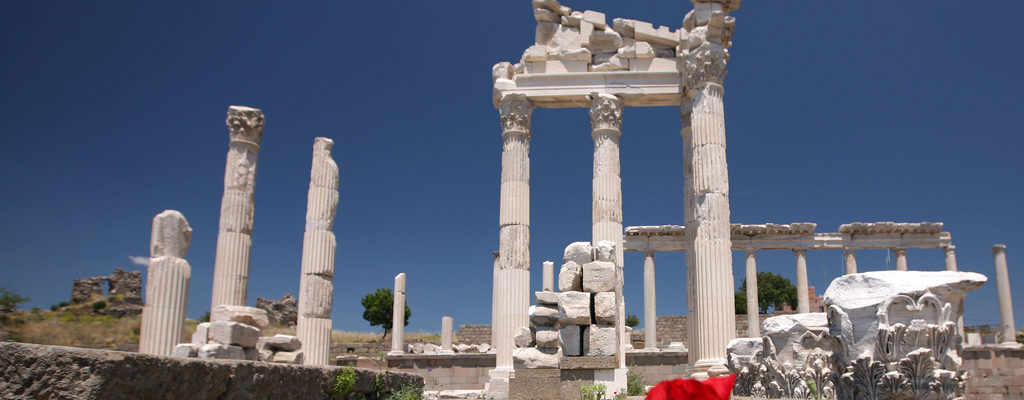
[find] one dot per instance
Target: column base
(497, 387)
(649, 350)
(396, 353)
(705, 369)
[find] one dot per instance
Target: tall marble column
(1007, 326)
(950, 252)
(512, 288)
(234, 239)
(901, 258)
(850, 255)
(398, 317)
(495, 301)
(753, 308)
(606, 129)
(650, 304)
(708, 232)
(446, 334)
(548, 278)
(316, 285)
(803, 304)
(167, 278)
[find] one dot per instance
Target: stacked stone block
(233, 333)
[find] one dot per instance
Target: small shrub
(407, 392)
(9, 299)
(635, 384)
(205, 317)
(632, 321)
(594, 391)
(99, 305)
(344, 382)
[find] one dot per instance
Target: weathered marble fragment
(252, 316)
(168, 275)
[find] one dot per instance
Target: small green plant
(205, 317)
(635, 383)
(632, 321)
(344, 382)
(407, 392)
(99, 305)
(814, 389)
(594, 391)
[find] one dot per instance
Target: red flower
(684, 389)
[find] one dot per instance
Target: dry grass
(66, 329)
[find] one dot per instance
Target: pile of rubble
(234, 333)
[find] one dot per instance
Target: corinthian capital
(708, 37)
(515, 112)
(605, 111)
(245, 124)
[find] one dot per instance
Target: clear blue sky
(836, 112)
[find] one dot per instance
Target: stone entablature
(800, 235)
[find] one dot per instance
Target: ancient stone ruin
(235, 333)
(125, 284)
(284, 312)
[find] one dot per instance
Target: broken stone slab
(430, 348)
(523, 337)
(574, 308)
(545, 15)
(200, 336)
(858, 299)
(574, 19)
(544, 32)
(536, 52)
(605, 251)
(644, 50)
(565, 37)
(221, 351)
(186, 350)
(546, 337)
(247, 315)
(787, 334)
(604, 308)
(279, 342)
(741, 350)
(579, 253)
(570, 277)
(288, 357)
(662, 36)
(625, 27)
(251, 354)
(233, 333)
(266, 355)
(571, 337)
(532, 357)
(544, 315)
(606, 41)
(574, 55)
(546, 298)
(599, 276)
(483, 347)
(600, 340)
(596, 18)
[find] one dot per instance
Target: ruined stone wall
(125, 284)
(997, 372)
(672, 328)
(473, 334)
(29, 371)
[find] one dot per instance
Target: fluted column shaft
(753, 308)
(802, 301)
(606, 129)
(1007, 325)
(650, 303)
(851, 261)
(234, 238)
(950, 252)
(512, 287)
(167, 279)
(319, 246)
(901, 258)
(398, 316)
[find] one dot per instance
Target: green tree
(379, 305)
(10, 299)
(773, 291)
(632, 321)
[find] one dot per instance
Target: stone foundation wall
(30, 371)
(468, 371)
(672, 328)
(997, 372)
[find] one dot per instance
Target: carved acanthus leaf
(605, 111)
(515, 112)
(245, 124)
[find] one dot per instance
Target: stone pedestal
(753, 308)
(802, 295)
(606, 124)
(548, 277)
(398, 317)
(901, 258)
(650, 304)
(234, 238)
(316, 285)
(1007, 326)
(167, 279)
(708, 231)
(850, 257)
